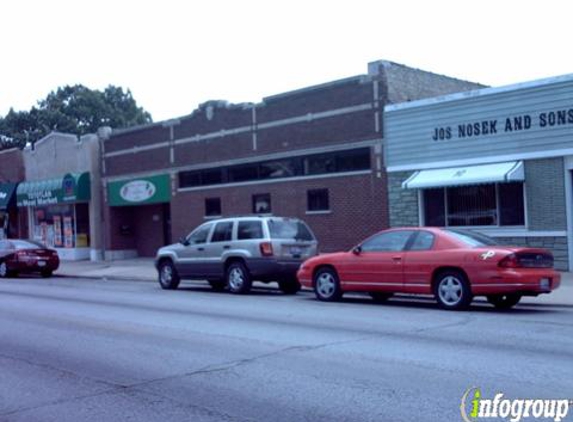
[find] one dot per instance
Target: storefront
(59, 213)
(496, 160)
(139, 215)
(7, 210)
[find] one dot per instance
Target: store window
(317, 200)
(62, 226)
(478, 205)
(212, 207)
(262, 203)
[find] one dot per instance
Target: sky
(176, 54)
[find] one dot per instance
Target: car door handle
(227, 247)
(200, 249)
(397, 258)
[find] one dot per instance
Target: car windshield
(472, 239)
(27, 244)
(289, 229)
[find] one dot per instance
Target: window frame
(218, 199)
(498, 225)
(254, 197)
(309, 192)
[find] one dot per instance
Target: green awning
(71, 188)
(6, 194)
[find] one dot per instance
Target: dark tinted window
(212, 206)
(387, 242)
(423, 241)
(289, 229)
(244, 173)
(317, 200)
(200, 234)
(250, 230)
(262, 203)
(511, 204)
(472, 239)
(434, 207)
(223, 232)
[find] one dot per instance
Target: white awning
(469, 175)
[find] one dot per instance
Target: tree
(72, 109)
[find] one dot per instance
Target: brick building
(314, 153)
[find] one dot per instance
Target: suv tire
(238, 278)
(168, 276)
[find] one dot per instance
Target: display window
(62, 225)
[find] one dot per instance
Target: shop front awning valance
(469, 175)
(6, 194)
(71, 188)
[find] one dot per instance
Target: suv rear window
(250, 230)
(289, 229)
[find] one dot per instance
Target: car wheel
(452, 290)
(380, 297)
(218, 285)
(4, 270)
(289, 287)
(507, 301)
(238, 278)
(327, 285)
(168, 276)
(46, 273)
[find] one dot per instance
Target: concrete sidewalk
(143, 269)
(139, 269)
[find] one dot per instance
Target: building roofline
(479, 93)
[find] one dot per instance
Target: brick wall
(545, 185)
(403, 203)
(357, 205)
(11, 166)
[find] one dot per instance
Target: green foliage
(72, 109)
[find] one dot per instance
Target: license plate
(545, 283)
(295, 250)
(41, 263)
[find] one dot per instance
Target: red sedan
(453, 265)
(26, 256)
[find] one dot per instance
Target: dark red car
(453, 265)
(26, 256)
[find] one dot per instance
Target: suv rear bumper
(265, 269)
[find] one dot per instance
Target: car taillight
(266, 248)
(510, 261)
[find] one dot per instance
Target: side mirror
(184, 241)
(357, 250)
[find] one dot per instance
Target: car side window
(200, 234)
(223, 232)
(250, 230)
(423, 241)
(387, 242)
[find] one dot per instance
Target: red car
(26, 256)
(453, 265)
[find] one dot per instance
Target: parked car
(26, 256)
(453, 265)
(233, 252)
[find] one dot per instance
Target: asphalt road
(85, 350)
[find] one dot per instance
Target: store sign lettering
(544, 120)
(43, 197)
(137, 191)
